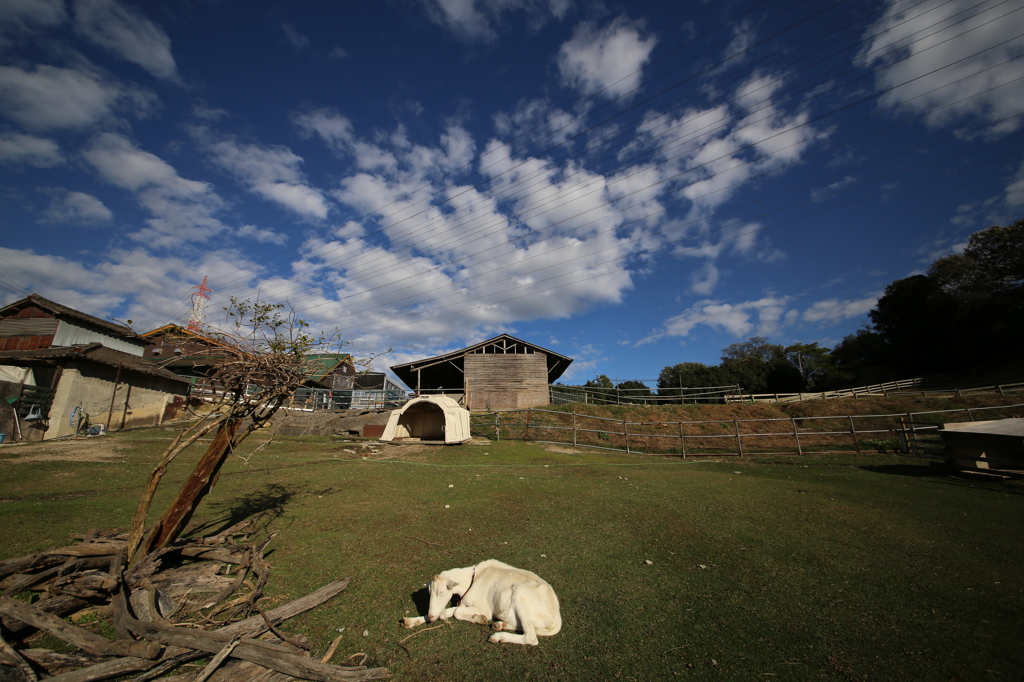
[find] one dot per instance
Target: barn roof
(446, 371)
(322, 364)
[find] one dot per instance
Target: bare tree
(265, 347)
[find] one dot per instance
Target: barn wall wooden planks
(506, 381)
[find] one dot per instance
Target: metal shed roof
(446, 371)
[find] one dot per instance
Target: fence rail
(909, 432)
(904, 387)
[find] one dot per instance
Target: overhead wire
(523, 211)
(817, 181)
(944, 20)
(434, 315)
(439, 192)
(870, 97)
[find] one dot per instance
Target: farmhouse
(59, 389)
(183, 351)
(60, 367)
(36, 322)
(499, 373)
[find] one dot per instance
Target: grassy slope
(888, 570)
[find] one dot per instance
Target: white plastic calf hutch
(435, 418)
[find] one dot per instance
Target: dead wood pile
(192, 600)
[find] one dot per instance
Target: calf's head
(441, 589)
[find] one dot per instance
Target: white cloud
(927, 49)
(606, 60)
(271, 171)
(480, 20)
(182, 209)
(16, 148)
(819, 195)
(76, 208)
(209, 114)
(763, 317)
(298, 40)
(704, 279)
(1014, 192)
(23, 19)
(130, 283)
(126, 32)
(48, 97)
(537, 121)
(742, 319)
(261, 235)
(833, 310)
(337, 52)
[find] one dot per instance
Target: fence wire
(907, 432)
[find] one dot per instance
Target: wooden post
(905, 445)
(796, 434)
(497, 427)
(574, 428)
(969, 415)
(625, 431)
(526, 435)
(1000, 390)
(739, 442)
(853, 434)
(682, 442)
(117, 384)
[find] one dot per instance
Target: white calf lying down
(516, 600)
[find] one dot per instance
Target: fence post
(853, 434)
(682, 442)
(526, 434)
(1000, 390)
(796, 434)
(497, 426)
(625, 431)
(904, 443)
(739, 442)
(969, 415)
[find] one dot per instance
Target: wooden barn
(502, 373)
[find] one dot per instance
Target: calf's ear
(451, 584)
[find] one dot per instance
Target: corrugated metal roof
(95, 352)
(324, 363)
(59, 310)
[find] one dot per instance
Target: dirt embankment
(810, 408)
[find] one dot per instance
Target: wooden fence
(903, 387)
(910, 432)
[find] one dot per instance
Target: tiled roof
(96, 352)
(59, 310)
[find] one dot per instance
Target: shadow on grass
(421, 598)
(915, 470)
(266, 503)
(948, 475)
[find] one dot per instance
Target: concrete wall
(140, 399)
(503, 382)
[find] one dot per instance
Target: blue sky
(630, 184)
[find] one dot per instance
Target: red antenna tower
(199, 298)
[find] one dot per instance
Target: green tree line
(965, 312)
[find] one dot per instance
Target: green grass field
(847, 567)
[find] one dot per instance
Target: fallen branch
(18, 662)
(268, 655)
(218, 659)
(426, 541)
(72, 634)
